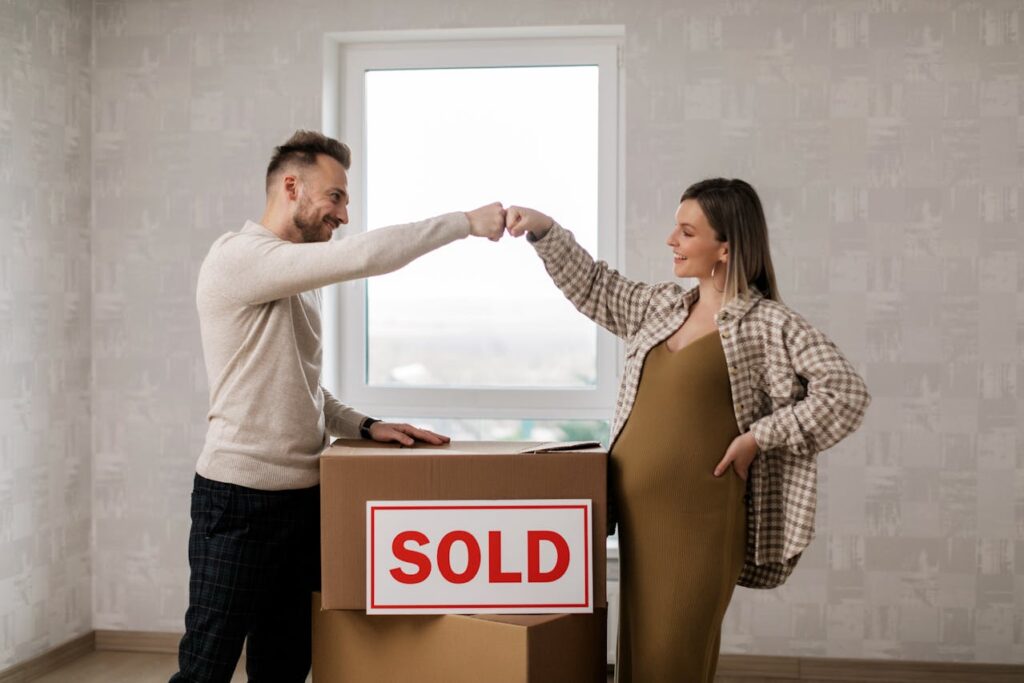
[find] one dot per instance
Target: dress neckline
(688, 345)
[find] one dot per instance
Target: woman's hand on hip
(740, 454)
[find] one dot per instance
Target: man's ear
(291, 186)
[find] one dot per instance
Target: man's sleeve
(340, 419)
(255, 270)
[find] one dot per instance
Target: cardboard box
(352, 647)
(355, 471)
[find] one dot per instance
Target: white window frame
(347, 56)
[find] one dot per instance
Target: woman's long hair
(734, 212)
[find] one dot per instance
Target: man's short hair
(301, 150)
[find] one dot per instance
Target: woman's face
(695, 248)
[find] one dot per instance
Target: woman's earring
(713, 278)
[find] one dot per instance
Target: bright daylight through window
(475, 336)
(477, 314)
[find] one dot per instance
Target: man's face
(322, 205)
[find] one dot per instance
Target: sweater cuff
(457, 222)
(346, 427)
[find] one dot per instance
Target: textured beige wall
(45, 317)
(886, 139)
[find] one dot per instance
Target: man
(255, 539)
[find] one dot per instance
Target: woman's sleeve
(597, 291)
(836, 396)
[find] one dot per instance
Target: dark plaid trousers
(255, 561)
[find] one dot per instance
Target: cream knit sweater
(259, 313)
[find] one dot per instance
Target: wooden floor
(123, 667)
(128, 667)
(111, 666)
(118, 666)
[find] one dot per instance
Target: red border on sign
(373, 554)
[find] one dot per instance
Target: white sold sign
(478, 557)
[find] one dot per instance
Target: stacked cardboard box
(349, 645)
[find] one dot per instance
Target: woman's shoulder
(662, 304)
(770, 308)
(669, 293)
(777, 310)
(784, 323)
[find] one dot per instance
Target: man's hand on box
(405, 434)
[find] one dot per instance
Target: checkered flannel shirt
(791, 387)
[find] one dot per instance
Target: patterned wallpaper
(885, 137)
(45, 319)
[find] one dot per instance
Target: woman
(727, 395)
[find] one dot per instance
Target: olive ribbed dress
(682, 531)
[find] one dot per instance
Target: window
(514, 430)
(475, 330)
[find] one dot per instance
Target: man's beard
(310, 227)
